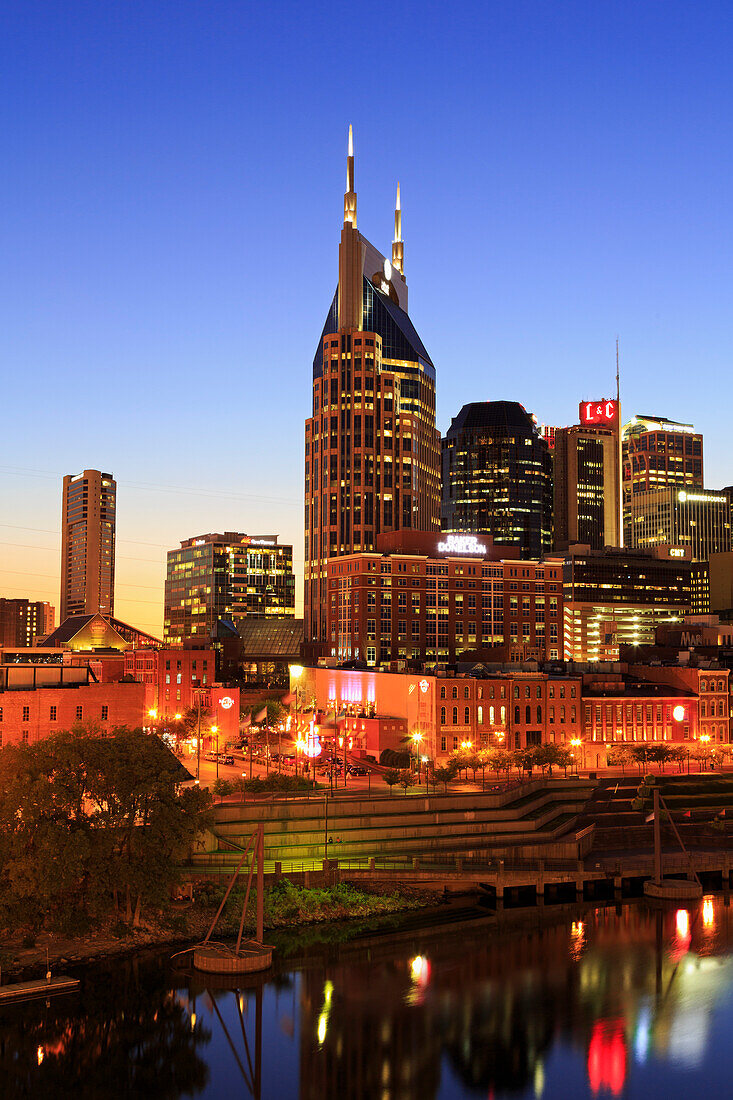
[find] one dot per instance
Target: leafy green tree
(407, 779)
(392, 778)
(443, 775)
(564, 759)
(619, 756)
(88, 820)
(546, 756)
(473, 761)
(221, 788)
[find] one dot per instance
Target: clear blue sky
(171, 199)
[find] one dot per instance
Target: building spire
(350, 196)
(398, 248)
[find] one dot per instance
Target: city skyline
(157, 265)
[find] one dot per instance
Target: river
(578, 1001)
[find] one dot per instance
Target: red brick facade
(413, 605)
(29, 716)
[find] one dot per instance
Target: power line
(180, 489)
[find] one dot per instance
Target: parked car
(356, 769)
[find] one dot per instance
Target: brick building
(507, 710)
(514, 708)
(429, 597)
(36, 703)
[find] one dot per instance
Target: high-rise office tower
(88, 544)
(699, 521)
(22, 621)
(586, 478)
(225, 577)
(372, 451)
(658, 454)
(497, 476)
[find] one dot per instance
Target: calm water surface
(584, 1002)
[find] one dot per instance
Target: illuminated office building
(372, 451)
(586, 500)
(658, 454)
(617, 597)
(88, 544)
(680, 517)
(22, 621)
(225, 578)
(497, 477)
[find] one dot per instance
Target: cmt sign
(598, 412)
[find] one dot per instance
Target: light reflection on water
(585, 1002)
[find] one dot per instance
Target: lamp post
(296, 671)
(577, 743)
(215, 731)
(416, 740)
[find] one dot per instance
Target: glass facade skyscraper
(227, 578)
(497, 477)
(372, 451)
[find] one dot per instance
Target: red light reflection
(607, 1057)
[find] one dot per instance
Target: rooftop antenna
(398, 253)
(618, 388)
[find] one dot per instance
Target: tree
(546, 756)
(391, 778)
(221, 788)
(85, 820)
(523, 759)
(459, 760)
(274, 709)
(564, 759)
(658, 754)
(444, 775)
(407, 779)
(499, 760)
(619, 756)
(473, 761)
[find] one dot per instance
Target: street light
(215, 731)
(577, 743)
(416, 739)
(296, 671)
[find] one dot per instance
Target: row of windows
(53, 712)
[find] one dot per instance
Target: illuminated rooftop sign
(461, 544)
(706, 498)
(598, 412)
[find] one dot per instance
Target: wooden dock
(28, 991)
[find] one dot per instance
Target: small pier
(29, 991)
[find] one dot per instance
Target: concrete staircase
(535, 815)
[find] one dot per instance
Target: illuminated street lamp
(215, 731)
(416, 739)
(296, 671)
(577, 743)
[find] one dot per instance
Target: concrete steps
(406, 826)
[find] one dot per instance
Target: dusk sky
(171, 198)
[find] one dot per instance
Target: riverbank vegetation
(92, 827)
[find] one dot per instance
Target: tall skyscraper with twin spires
(372, 451)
